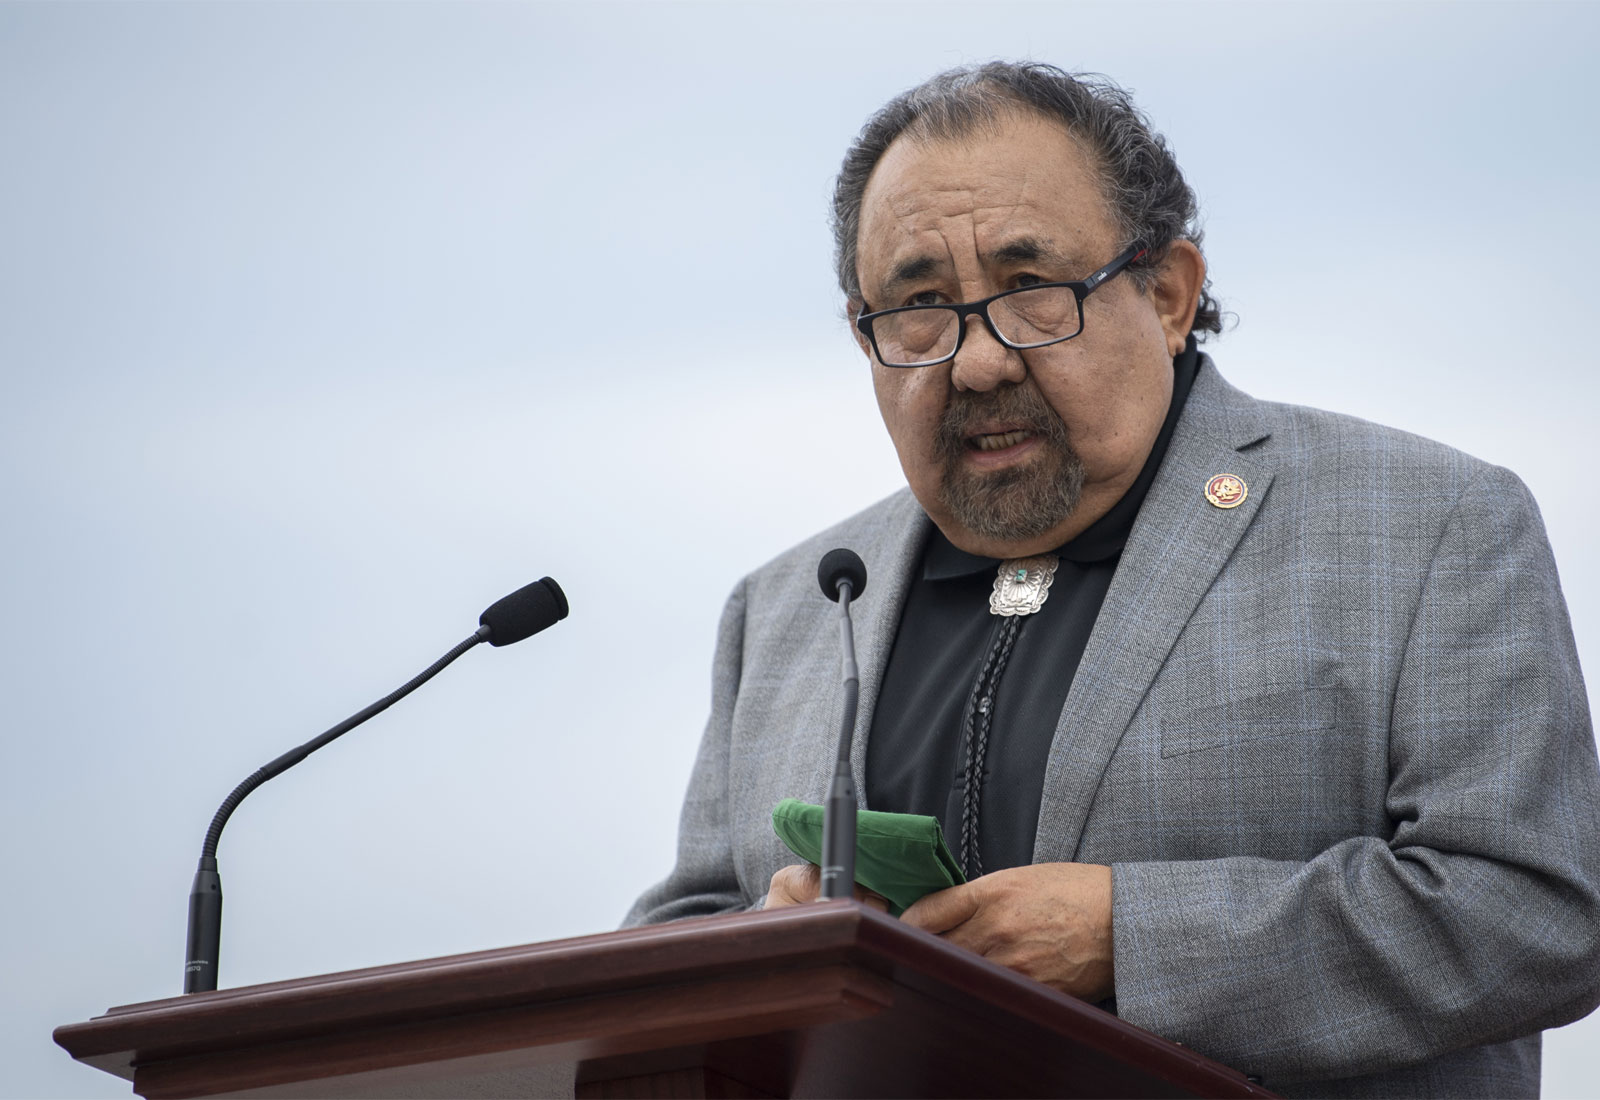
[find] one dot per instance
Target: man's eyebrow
(1022, 250)
(1032, 250)
(910, 270)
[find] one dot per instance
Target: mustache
(1016, 405)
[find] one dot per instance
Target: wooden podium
(829, 999)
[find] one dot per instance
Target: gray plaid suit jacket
(1334, 744)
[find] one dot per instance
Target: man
(1279, 738)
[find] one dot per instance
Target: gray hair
(1142, 183)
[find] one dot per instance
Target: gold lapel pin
(1227, 490)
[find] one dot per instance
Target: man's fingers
(943, 909)
(802, 882)
(794, 885)
(872, 900)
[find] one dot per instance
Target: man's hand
(1050, 921)
(802, 882)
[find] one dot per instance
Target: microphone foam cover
(525, 612)
(842, 565)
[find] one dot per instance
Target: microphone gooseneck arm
(508, 620)
(839, 815)
(205, 897)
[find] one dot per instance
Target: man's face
(1013, 453)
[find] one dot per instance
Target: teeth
(1001, 440)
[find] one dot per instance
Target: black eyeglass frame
(1081, 289)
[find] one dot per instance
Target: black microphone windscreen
(525, 612)
(842, 565)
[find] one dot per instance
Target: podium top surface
(876, 957)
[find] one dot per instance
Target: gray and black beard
(1019, 503)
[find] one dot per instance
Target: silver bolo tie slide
(1022, 585)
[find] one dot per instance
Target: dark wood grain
(830, 999)
(671, 1085)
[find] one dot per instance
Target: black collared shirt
(915, 753)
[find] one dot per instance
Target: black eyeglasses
(1028, 317)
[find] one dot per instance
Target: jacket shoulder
(887, 521)
(1327, 463)
(1348, 453)
(782, 599)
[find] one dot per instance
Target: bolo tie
(1020, 588)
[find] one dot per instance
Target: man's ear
(1176, 291)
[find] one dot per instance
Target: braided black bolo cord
(294, 756)
(975, 731)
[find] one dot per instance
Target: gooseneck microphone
(522, 614)
(843, 577)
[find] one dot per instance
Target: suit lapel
(1178, 545)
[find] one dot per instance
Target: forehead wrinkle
(1018, 229)
(922, 237)
(1017, 223)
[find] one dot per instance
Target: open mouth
(998, 441)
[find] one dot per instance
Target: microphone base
(839, 840)
(205, 929)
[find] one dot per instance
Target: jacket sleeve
(703, 881)
(1476, 920)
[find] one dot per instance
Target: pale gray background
(322, 326)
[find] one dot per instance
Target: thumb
(942, 910)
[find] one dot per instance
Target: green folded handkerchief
(901, 856)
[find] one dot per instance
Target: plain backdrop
(324, 325)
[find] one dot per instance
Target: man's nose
(983, 362)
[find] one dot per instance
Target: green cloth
(901, 856)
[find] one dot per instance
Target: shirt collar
(1106, 536)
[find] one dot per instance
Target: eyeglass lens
(1030, 316)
